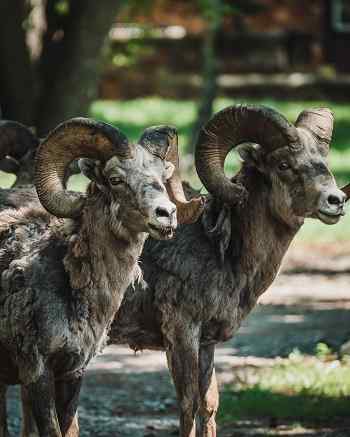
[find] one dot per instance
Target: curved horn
(162, 141)
(319, 123)
(75, 138)
(233, 126)
(16, 139)
(346, 191)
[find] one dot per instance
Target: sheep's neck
(101, 264)
(265, 240)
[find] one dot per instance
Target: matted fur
(62, 280)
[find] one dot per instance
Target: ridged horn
(162, 141)
(318, 122)
(233, 126)
(72, 139)
(346, 191)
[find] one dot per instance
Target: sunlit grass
(140, 113)
(298, 387)
(133, 116)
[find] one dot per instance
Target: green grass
(134, 115)
(300, 387)
(313, 231)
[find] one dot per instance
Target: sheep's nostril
(161, 212)
(335, 200)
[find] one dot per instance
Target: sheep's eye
(283, 166)
(115, 181)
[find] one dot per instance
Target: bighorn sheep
(202, 284)
(18, 145)
(63, 280)
(17, 149)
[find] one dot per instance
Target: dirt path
(127, 394)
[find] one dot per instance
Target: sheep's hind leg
(67, 399)
(209, 394)
(41, 396)
(3, 413)
(182, 358)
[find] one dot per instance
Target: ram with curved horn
(203, 283)
(64, 273)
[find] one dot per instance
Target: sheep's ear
(169, 169)
(91, 169)
(250, 153)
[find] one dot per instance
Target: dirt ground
(127, 394)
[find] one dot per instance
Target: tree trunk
(17, 85)
(77, 65)
(64, 80)
(210, 71)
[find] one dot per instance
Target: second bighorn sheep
(205, 282)
(63, 280)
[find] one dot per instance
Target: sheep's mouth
(161, 232)
(329, 218)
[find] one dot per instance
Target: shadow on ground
(127, 394)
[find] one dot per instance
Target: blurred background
(141, 62)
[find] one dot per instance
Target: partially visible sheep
(18, 145)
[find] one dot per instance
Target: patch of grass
(316, 231)
(139, 113)
(134, 115)
(298, 388)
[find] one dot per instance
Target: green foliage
(213, 10)
(300, 387)
(323, 351)
(135, 7)
(247, 7)
(62, 7)
(242, 7)
(131, 55)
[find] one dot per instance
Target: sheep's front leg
(41, 396)
(182, 357)
(3, 413)
(209, 394)
(67, 396)
(29, 428)
(67, 399)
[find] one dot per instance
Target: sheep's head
(133, 178)
(292, 160)
(17, 147)
(135, 189)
